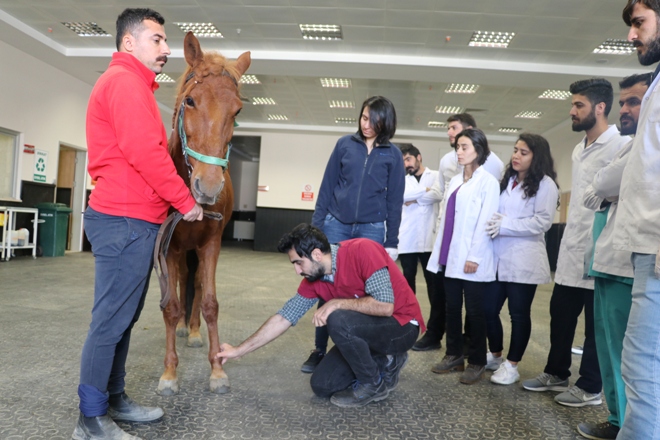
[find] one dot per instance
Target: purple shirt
(448, 231)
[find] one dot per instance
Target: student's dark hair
(382, 117)
(479, 141)
(304, 238)
(130, 21)
(466, 120)
(627, 10)
(409, 149)
(542, 165)
(629, 81)
(596, 90)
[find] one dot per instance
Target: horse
(207, 103)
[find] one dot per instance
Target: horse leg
(195, 337)
(219, 382)
(168, 384)
(181, 327)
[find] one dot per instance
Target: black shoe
(360, 394)
(312, 361)
(472, 374)
(99, 428)
(123, 409)
(598, 431)
(427, 343)
(449, 363)
(392, 370)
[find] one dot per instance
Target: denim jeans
(435, 288)
(362, 343)
(519, 297)
(473, 292)
(640, 365)
(337, 231)
(123, 252)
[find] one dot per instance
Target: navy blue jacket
(363, 188)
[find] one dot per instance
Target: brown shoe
(449, 363)
(473, 373)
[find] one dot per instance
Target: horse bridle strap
(160, 251)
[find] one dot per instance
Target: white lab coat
(476, 202)
(577, 234)
(417, 229)
(606, 185)
(637, 227)
(520, 252)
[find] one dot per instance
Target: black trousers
(566, 304)
(435, 287)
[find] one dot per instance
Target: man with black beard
(637, 230)
(590, 105)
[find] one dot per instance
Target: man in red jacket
(371, 313)
(136, 183)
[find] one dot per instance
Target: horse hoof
(168, 387)
(220, 385)
(195, 342)
(182, 332)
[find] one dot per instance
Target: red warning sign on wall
(307, 193)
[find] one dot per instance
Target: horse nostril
(196, 185)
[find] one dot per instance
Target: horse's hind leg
(181, 327)
(168, 384)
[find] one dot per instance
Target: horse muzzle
(205, 194)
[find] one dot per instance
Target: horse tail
(192, 261)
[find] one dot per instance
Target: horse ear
(192, 50)
(243, 62)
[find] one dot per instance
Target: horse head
(207, 103)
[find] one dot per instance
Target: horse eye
(190, 102)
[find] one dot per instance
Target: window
(9, 157)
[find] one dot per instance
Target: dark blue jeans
(123, 250)
(337, 231)
(520, 297)
(362, 343)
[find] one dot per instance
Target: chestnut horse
(207, 103)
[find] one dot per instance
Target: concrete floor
(45, 310)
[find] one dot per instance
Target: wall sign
(307, 193)
(40, 162)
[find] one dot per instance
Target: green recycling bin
(52, 231)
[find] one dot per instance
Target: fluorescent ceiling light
(345, 120)
(88, 29)
(263, 101)
(342, 104)
(164, 78)
(321, 31)
(437, 124)
(555, 94)
(499, 40)
(462, 88)
(529, 115)
(509, 129)
(277, 118)
(202, 30)
(249, 79)
(448, 109)
(337, 83)
(613, 46)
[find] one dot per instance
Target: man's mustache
(162, 58)
(637, 43)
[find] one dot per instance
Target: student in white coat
(464, 251)
(528, 200)
(417, 235)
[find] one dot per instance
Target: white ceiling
(395, 48)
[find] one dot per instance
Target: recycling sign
(40, 161)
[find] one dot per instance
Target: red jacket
(127, 146)
(357, 260)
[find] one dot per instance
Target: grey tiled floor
(44, 314)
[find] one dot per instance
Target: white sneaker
(506, 374)
(492, 362)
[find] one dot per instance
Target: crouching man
(372, 315)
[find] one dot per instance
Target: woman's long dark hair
(542, 165)
(382, 117)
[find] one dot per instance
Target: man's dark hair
(304, 238)
(542, 165)
(382, 117)
(466, 119)
(596, 90)
(651, 4)
(479, 141)
(629, 81)
(130, 21)
(409, 149)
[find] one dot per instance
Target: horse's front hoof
(168, 387)
(182, 332)
(220, 385)
(195, 341)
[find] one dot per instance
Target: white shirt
(417, 229)
(637, 227)
(476, 202)
(576, 238)
(520, 252)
